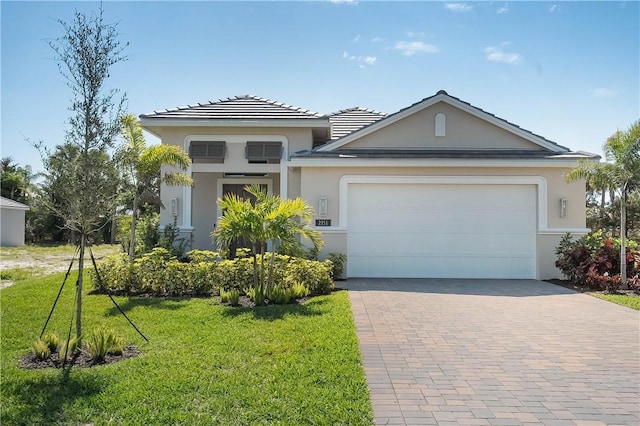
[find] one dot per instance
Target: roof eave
(204, 122)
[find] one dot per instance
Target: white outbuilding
(12, 222)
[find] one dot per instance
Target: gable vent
(263, 152)
(210, 151)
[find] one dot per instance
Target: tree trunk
(623, 231)
(83, 242)
(114, 225)
(132, 237)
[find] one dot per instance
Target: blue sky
(568, 71)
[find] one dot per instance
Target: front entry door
(239, 190)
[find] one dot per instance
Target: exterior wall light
(323, 207)
(562, 211)
(173, 208)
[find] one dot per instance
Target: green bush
(41, 349)
(117, 274)
(161, 274)
(231, 296)
(299, 290)
(70, 347)
(279, 295)
(203, 256)
(102, 342)
(52, 341)
(338, 260)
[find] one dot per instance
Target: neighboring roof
(247, 107)
(347, 121)
(443, 96)
(7, 203)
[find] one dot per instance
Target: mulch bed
(81, 360)
(586, 289)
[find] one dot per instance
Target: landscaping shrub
(52, 341)
(117, 274)
(69, 347)
(102, 342)
(605, 282)
(594, 261)
(338, 260)
(40, 349)
(203, 256)
(161, 274)
(232, 296)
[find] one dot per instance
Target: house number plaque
(323, 222)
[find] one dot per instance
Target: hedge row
(158, 273)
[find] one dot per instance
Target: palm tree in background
(621, 171)
(142, 169)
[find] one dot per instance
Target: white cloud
(602, 92)
(553, 8)
(410, 48)
(503, 9)
(351, 2)
(458, 7)
(356, 39)
(378, 40)
(495, 54)
(361, 60)
(413, 34)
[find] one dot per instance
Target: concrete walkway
(496, 352)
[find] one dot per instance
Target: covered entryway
(441, 230)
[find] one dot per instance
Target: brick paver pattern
(496, 352)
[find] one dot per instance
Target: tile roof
(247, 107)
(11, 204)
(347, 121)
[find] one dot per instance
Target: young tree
(81, 169)
(142, 169)
(269, 219)
(622, 172)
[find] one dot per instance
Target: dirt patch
(81, 360)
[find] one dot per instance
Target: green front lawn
(630, 301)
(204, 363)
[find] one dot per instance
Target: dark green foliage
(338, 260)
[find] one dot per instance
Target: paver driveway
(496, 352)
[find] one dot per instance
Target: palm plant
(622, 172)
(270, 219)
(142, 169)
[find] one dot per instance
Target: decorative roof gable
(442, 96)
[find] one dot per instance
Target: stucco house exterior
(439, 189)
(12, 222)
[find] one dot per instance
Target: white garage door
(441, 231)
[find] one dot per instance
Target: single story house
(12, 222)
(440, 188)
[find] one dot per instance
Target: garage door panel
(441, 230)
